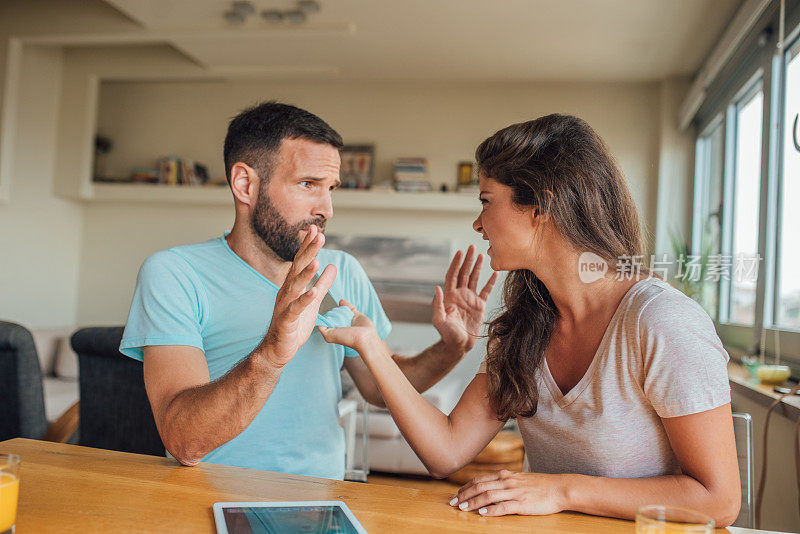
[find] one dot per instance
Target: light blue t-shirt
(205, 296)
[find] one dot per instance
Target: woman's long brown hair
(560, 166)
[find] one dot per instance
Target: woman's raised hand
(458, 310)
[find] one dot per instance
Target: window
(708, 218)
(788, 274)
(747, 192)
(746, 189)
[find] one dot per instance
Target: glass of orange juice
(9, 492)
(658, 519)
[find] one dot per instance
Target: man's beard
(275, 231)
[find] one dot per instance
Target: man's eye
(306, 184)
(483, 201)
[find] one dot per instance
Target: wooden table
(79, 489)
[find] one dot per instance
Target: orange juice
(9, 492)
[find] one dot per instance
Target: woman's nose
(477, 226)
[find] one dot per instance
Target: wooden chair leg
(65, 426)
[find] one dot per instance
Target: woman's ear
(541, 213)
(539, 216)
(244, 183)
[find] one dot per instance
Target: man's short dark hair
(255, 134)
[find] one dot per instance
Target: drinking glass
(656, 519)
(9, 492)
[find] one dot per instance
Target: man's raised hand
(297, 305)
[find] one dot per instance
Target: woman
(618, 381)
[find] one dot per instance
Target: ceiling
(542, 40)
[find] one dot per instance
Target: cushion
(66, 361)
(48, 342)
(59, 395)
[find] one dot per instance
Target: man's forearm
(200, 419)
(428, 367)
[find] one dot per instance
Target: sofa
(59, 366)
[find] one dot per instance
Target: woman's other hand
(510, 492)
(458, 310)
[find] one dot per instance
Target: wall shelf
(343, 199)
(158, 194)
(392, 200)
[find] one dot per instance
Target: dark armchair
(114, 410)
(21, 394)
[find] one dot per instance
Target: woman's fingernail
(463, 505)
(482, 511)
(454, 501)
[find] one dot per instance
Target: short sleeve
(363, 296)
(684, 362)
(167, 306)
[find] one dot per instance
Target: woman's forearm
(424, 426)
(620, 497)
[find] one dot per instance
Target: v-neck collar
(563, 400)
(321, 318)
(246, 265)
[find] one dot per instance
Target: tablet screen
(288, 519)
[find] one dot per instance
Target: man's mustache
(319, 223)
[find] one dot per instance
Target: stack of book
(411, 175)
(145, 175)
(176, 171)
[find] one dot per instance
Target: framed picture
(404, 271)
(465, 174)
(467, 179)
(358, 162)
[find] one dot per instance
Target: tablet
(319, 517)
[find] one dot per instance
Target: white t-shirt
(659, 357)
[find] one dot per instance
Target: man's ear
(244, 183)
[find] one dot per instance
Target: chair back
(115, 413)
(21, 395)
(743, 432)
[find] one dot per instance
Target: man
(221, 389)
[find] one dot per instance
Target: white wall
(440, 120)
(675, 170)
(40, 233)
